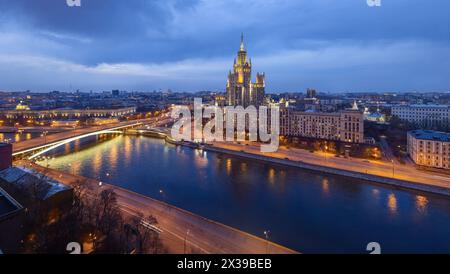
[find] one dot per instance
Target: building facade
(240, 89)
(423, 115)
(429, 148)
(66, 114)
(5, 156)
(346, 126)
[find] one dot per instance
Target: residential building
(429, 148)
(423, 115)
(345, 126)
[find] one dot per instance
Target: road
(380, 168)
(387, 150)
(179, 227)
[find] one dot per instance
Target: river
(306, 211)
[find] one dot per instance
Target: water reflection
(228, 166)
(421, 203)
(303, 210)
(271, 176)
(375, 192)
(200, 160)
(127, 151)
(325, 186)
(392, 203)
(243, 167)
(97, 162)
(113, 157)
(67, 148)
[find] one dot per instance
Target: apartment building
(429, 148)
(424, 115)
(345, 126)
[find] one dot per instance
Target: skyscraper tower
(240, 89)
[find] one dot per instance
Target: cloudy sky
(189, 45)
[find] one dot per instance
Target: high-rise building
(240, 89)
(311, 93)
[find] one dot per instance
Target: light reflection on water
(392, 203)
(421, 203)
(325, 186)
(306, 211)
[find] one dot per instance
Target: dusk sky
(189, 45)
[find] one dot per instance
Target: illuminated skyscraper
(240, 89)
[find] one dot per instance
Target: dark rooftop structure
(430, 135)
(8, 206)
(24, 179)
(11, 213)
(5, 155)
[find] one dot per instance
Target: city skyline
(145, 46)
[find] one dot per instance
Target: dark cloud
(170, 32)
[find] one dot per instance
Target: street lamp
(393, 169)
(266, 234)
(45, 137)
(185, 239)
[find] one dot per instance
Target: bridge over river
(37, 146)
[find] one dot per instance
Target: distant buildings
(102, 121)
(423, 115)
(21, 106)
(377, 116)
(311, 93)
(240, 89)
(65, 114)
(346, 125)
(429, 148)
(65, 123)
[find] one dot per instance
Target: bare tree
(146, 236)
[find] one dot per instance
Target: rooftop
(431, 135)
(424, 106)
(4, 144)
(46, 187)
(8, 205)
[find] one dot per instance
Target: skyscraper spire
(242, 48)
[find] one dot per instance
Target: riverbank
(376, 172)
(33, 129)
(339, 172)
(179, 227)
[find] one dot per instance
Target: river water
(307, 211)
